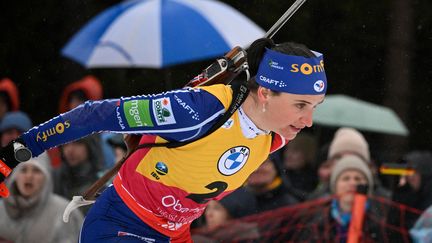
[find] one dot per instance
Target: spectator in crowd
(118, 145)
(13, 125)
(238, 204)
(9, 97)
(32, 212)
(82, 161)
(347, 141)
(218, 215)
(422, 230)
(415, 190)
(323, 171)
(78, 92)
(332, 223)
(268, 186)
(298, 163)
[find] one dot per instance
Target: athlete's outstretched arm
(175, 115)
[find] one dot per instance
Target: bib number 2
(217, 186)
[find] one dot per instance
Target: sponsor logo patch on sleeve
(163, 112)
(137, 113)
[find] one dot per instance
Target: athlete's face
(287, 114)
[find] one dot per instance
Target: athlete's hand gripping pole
(10, 156)
(88, 197)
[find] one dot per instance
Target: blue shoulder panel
(177, 115)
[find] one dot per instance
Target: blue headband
(292, 74)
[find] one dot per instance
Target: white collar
(249, 129)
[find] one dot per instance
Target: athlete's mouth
(295, 129)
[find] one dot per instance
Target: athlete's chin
(288, 136)
(290, 133)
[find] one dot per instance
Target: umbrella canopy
(345, 111)
(160, 33)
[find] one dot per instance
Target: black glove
(10, 156)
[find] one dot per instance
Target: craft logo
(319, 86)
(277, 83)
(137, 113)
(59, 128)
(163, 112)
(274, 64)
(233, 160)
(189, 109)
(307, 69)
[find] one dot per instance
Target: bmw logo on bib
(233, 160)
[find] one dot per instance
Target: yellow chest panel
(223, 156)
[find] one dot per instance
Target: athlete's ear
(263, 94)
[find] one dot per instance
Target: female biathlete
(159, 191)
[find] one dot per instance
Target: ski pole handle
(21, 152)
(13, 154)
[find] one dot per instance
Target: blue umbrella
(160, 33)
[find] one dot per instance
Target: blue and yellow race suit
(167, 188)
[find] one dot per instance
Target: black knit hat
(421, 161)
(239, 203)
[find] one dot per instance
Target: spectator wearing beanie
(348, 141)
(269, 186)
(218, 214)
(238, 204)
(345, 141)
(351, 162)
(334, 219)
(13, 125)
(415, 190)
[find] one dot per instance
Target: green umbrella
(345, 111)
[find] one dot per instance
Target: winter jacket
(39, 218)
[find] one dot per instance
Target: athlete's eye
(300, 106)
